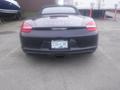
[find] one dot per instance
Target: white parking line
(9, 53)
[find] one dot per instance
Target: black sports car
(59, 30)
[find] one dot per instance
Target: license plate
(59, 44)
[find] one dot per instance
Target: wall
(34, 5)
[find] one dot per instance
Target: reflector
(26, 28)
(91, 26)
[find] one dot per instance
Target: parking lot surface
(99, 71)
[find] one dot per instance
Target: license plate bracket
(59, 44)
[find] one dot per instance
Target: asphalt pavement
(98, 71)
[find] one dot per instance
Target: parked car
(9, 9)
(59, 30)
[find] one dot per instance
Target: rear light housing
(91, 26)
(26, 28)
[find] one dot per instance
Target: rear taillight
(26, 28)
(91, 26)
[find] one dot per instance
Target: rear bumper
(40, 43)
(54, 52)
(43, 46)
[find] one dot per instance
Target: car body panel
(62, 21)
(9, 7)
(58, 33)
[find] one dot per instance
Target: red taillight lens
(91, 29)
(91, 26)
(26, 28)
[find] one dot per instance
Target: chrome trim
(8, 11)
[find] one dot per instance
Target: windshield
(59, 10)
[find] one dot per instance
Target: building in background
(34, 5)
(95, 8)
(64, 2)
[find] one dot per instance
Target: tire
(18, 16)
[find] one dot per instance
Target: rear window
(59, 10)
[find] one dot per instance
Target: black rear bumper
(77, 45)
(39, 41)
(60, 52)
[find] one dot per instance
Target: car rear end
(59, 40)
